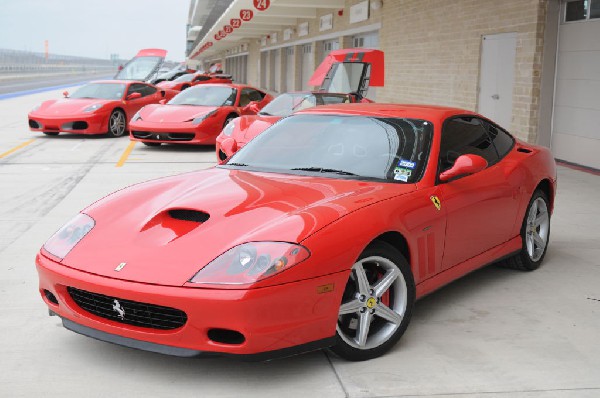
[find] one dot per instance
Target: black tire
(51, 133)
(525, 260)
(229, 118)
(151, 143)
(117, 123)
(400, 300)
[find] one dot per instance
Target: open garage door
(575, 131)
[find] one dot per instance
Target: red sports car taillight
(251, 262)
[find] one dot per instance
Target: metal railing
(25, 62)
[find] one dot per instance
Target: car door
(149, 95)
(480, 208)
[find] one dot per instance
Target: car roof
(232, 85)
(411, 111)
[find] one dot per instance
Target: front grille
(147, 135)
(127, 311)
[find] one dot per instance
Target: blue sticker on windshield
(407, 163)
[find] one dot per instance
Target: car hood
(174, 113)
(137, 225)
(68, 106)
(250, 126)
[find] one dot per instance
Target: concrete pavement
(494, 333)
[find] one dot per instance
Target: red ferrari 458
(196, 115)
(96, 108)
(193, 79)
(294, 245)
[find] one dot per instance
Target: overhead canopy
(243, 21)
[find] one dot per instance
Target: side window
(464, 135)
(201, 78)
(255, 95)
(245, 97)
(142, 89)
(501, 139)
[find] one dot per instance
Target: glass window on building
(581, 10)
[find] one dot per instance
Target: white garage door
(263, 69)
(307, 65)
(289, 70)
(276, 54)
(576, 123)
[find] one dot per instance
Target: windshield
(389, 149)
(139, 68)
(185, 78)
(110, 91)
(286, 104)
(205, 96)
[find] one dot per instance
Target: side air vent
(189, 215)
(524, 150)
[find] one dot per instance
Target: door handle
(496, 97)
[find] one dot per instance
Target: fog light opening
(50, 297)
(226, 336)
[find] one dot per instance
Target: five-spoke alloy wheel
(376, 304)
(117, 123)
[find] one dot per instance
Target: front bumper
(174, 133)
(275, 321)
(92, 123)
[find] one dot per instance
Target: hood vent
(189, 215)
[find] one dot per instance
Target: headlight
(93, 108)
(251, 262)
(35, 108)
(66, 238)
(136, 117)
(228, 130)
(198, 120)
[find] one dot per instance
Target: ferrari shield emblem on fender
(436, 202)
(120, 267)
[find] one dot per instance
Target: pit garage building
(531, 65)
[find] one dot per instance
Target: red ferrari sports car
(193, 79)
(325, 242)
(241, 130)
(196, 115)
(96, 108)
(349, 71)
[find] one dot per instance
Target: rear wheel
(117, 123)
(51, 133)
(535, 234)
(376, 305)
(151, 143)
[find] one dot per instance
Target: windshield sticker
(401, 177)
(402, 171)
(407, 164)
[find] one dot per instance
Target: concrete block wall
(433, 48)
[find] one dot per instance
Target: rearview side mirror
(252, 107)
(133, 96)
(229, 147)
(464, 165)
(66, 94)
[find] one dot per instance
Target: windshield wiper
(236, 164)
(325, 170)
(264, 113)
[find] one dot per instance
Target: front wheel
(535, 234)
(376, 305)
(117, 123)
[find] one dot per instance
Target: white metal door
(289, 70)
(367, 40)
(263, 69)
(576, 116)
(307, 65)
(497, 77)
(329, 46)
